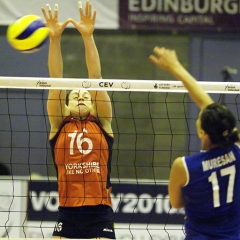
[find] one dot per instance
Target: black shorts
(85, 222)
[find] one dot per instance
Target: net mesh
(153, 123)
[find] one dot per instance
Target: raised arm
(56, 107)
(86, 28)
(103, 108)
(167, 60)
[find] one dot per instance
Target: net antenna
(227, 73)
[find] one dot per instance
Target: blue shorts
(85, 222)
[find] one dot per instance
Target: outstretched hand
(56, 28)
(164, 58)
(168, 60)
(87, 20)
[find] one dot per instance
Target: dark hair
(219, 123)
(67, 96)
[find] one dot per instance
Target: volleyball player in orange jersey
(81, 139)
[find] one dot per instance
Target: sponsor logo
(107, 230)
(144, 203)
(126, 85)
(86, 84)
(43, 199)
(42, 83)
(231, 88)
(167, 86)
(161, 86)
(58, 226)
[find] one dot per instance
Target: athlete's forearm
(55, 63)
(92, 57)
(196, 92)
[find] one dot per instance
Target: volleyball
(27, 34)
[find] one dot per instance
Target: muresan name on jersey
(218, 162)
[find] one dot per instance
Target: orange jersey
(82, 153)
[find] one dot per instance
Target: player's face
(80, 103)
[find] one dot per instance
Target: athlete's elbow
(177, 203)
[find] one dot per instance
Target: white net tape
(113, 84)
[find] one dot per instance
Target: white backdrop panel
(107, 10)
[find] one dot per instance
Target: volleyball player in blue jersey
(206, 184)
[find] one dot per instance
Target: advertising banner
(13, 208)
(195, 15)
(142, 211)
(187, 15)
(107, 11)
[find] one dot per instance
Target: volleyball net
(153, 123)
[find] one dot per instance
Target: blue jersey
(212, 194)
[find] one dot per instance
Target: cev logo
(105, 84)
